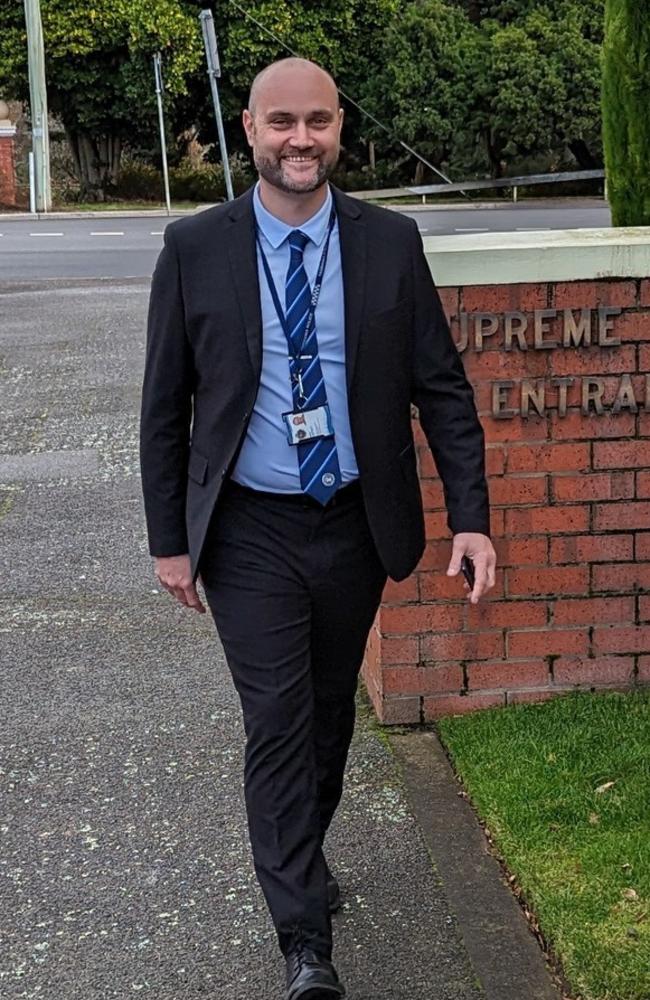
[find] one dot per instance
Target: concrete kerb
(505, 955)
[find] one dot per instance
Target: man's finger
(193, 600)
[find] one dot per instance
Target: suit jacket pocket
(197, 467)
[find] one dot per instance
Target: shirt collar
(277, 231)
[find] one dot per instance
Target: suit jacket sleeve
(166, 409)
(445, 402)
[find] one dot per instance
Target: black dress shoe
(310, 976)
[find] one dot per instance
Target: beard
(272, 171)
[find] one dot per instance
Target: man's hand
(175, 575)
(480, 550)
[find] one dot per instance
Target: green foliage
(626, 100)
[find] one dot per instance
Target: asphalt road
(127, 247)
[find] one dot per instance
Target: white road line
(471, 230)
(46, 234)
(157, 232)
(106, 232)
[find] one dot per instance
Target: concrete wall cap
(561, 255)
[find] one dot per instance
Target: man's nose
(301, 135)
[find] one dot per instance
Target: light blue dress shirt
(267, 461)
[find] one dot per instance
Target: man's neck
(289, 206)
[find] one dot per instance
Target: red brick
(436, 526)
(643, 669)
(618, 639)
(642, 545)
(423, 680)
(495, 461)
(593, 361)
(413, 619)
(548, 642)
(507, 674)
(462, 646)
(521, 551)
(644, 609)
(524, 297)
(598, 486)
(399, 711)
(450, 298)
(644, 358)
(506, 614)
(548, 457)
(394, 651)
(599, 670)
(644, 424)
(536, 695)
(500, 364)
(592, 548)
(576, 426)
(402, 592)
(621, 454)
(621, 576)
(426, 465)
(548, 580)
(633, 326)
(593, 609)
(437, 586)
(432, 495)
(547, 520)
(644, 292)
(454, 704)
(590, 294)
(643, 485)
(511, 490)
(621, 516)
(503, 431)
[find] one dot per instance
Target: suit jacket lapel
(242, 253)
(352, 236)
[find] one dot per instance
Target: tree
(537, 87)
(626, 99)
(99, 72)
(421, 78)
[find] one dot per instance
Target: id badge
(308, 425)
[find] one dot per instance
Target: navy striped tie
(320, 475)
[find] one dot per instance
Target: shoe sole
(318, 993)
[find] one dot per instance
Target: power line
(351, 100)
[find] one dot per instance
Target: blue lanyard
(296, 353)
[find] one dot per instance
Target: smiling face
(294, 125)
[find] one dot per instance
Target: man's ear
(249, 125)
(341, 117)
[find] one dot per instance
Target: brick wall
(7, 171)
(570, 499)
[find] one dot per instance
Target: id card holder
(308, 425)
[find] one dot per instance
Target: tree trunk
(97, 162)
(583, 155)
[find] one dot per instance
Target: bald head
(293, 72)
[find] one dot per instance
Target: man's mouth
(299, 159)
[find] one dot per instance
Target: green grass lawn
(564, 789)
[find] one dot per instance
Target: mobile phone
(467, 569)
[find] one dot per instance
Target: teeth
(299, 159)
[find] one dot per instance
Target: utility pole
(38, 105)
(157, 68)
(214, 72)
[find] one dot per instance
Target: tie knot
(298, 240)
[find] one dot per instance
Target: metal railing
(483, 185)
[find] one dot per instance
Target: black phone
(467, 569)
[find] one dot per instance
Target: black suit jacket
(203, 360)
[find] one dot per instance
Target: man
(289, 332)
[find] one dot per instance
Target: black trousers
(293, 588)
